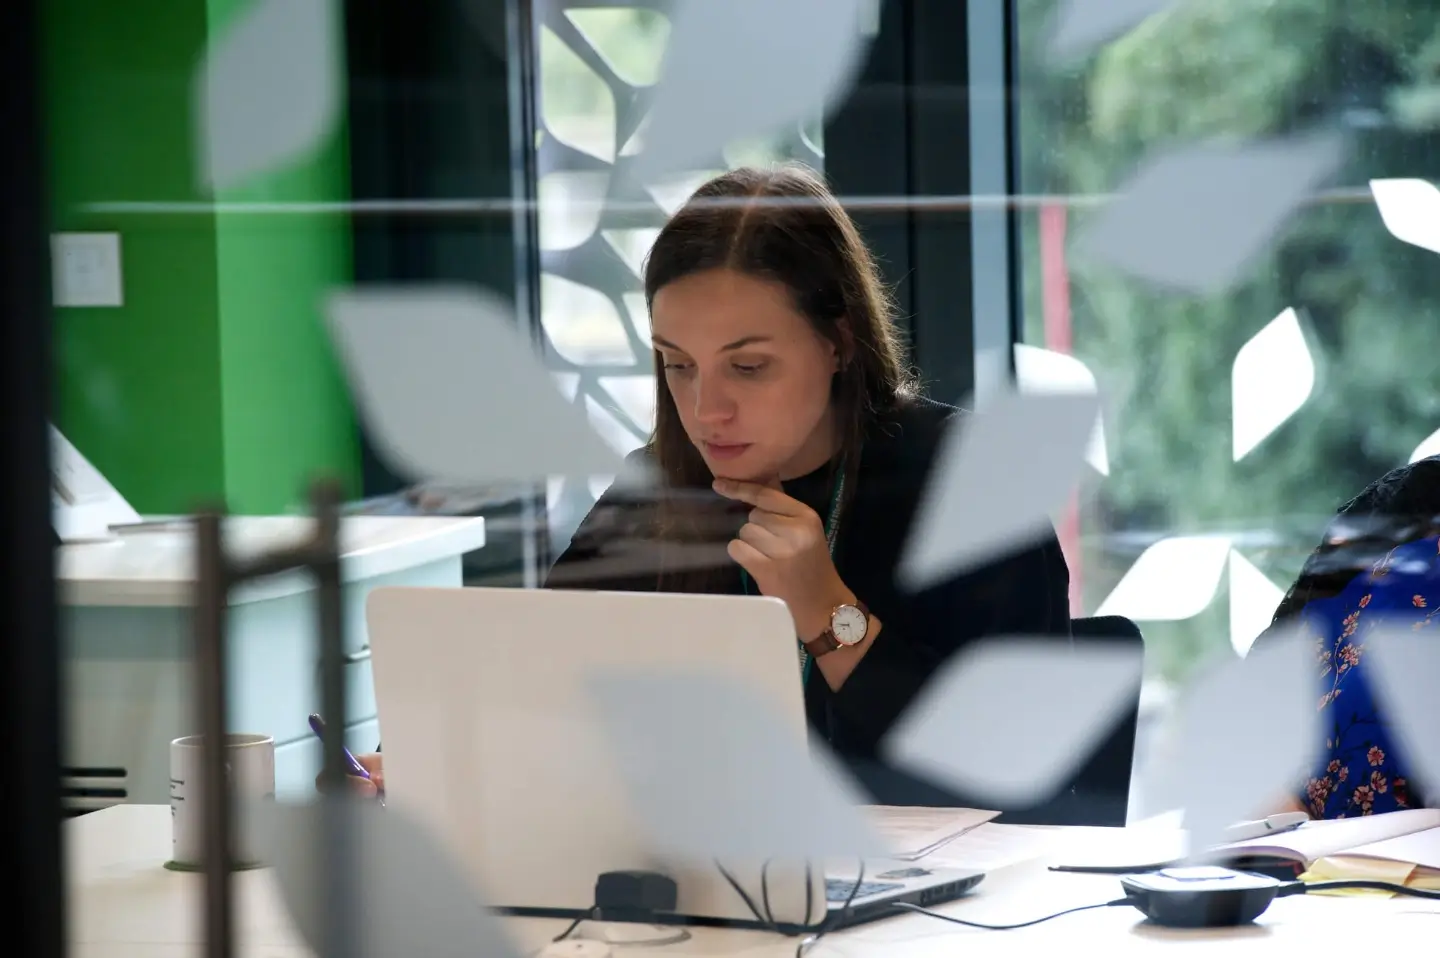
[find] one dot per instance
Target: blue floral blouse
(1364, 772)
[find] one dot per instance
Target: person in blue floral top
(1364, 771)
(1359, 581)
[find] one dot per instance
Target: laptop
(492, 742)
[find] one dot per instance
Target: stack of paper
(1412, 859)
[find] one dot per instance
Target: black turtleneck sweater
(1024, 593)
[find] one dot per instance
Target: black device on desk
(1211, 897)
(1201, 897)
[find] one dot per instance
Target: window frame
(30, 713)
(915, 146)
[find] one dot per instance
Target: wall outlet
(86, 269)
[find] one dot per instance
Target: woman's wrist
(811, 622)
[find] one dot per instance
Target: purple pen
(317, 725)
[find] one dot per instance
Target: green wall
(215, 379)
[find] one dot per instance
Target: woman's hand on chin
(784, 549)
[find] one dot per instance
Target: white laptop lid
(491, 740)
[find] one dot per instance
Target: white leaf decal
(1058, 700)
(797, 56)
(999, 475)
(1195, 218)
(440, 376)
(1430, 447)
(711, 773)
(268, 90)
(1410, 210)
(1253, 601)
(411, 898)
(1271, 378)
(1173, 579)
(1248, 723)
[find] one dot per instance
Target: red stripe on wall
(1055, 299)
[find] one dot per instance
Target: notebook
(1412, 859)
(1410, 837)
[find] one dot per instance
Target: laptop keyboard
(837, 890)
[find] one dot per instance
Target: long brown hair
(781, 224)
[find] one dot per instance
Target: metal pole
(215, 576)
(212, 586)
(325, 564)
(337, 827)
(522, 42)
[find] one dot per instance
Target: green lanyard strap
(832, 528)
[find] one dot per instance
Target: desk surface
(122, 903)
(154, 565)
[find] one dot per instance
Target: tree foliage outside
(1242, 69)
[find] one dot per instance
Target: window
(1237, 421)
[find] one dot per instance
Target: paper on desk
(1345, 868)
(992, 846)
(914, 832)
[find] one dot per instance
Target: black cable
(810, 891)
(766, 917)
(844, 916)
(769, 924)
(575, 924)
(907, 906)
(765, 891)
(1304, 888)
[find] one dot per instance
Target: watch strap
(826, 642)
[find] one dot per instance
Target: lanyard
(832, 528)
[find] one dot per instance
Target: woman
(791, 446)
(1379, 567)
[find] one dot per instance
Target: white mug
(250, 761)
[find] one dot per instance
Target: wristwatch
(848, 626)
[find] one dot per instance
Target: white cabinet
(126, 629)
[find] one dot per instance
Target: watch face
(848, 624)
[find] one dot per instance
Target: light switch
(86, 269)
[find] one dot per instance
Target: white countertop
(153, 566)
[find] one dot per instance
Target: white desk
(126, 624)
(122, 903)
